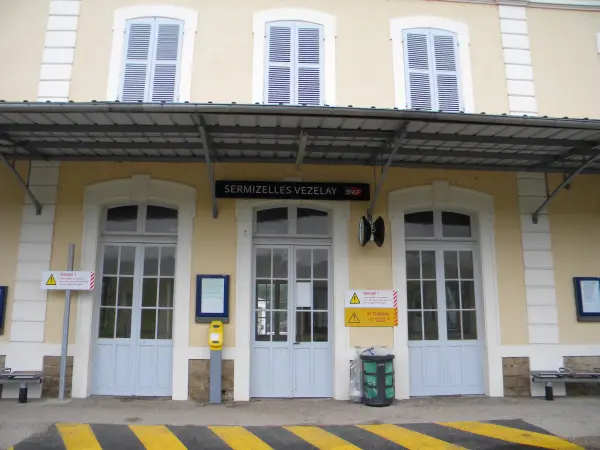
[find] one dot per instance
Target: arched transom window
(438, 225)
(293, 221)
(140, 219)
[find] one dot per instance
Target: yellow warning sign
(354, 300)
(369, 317)
(51, 281)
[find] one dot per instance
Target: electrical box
(215, 335)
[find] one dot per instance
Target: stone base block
(515, 372)
(199, 380)
(582, 363)
(52, 376)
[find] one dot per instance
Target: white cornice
(584, 5)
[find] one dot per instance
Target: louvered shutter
(165, 67)
(309, 66)
(418, 70)
(279, 64)
(446, 78)
(136, 67)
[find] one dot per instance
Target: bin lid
(377, 357)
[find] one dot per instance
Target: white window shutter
(166, 61)
(309, 65)
(417, 70)
(447, 82)
(136, 65)
(278, 80)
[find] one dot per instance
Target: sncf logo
(353, 191)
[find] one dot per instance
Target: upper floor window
(151, 60)
(294, 63)
(432, 70)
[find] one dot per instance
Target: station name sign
(292, 190)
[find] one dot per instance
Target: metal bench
(7, 376)
(564, 375)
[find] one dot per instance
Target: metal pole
(65, 335)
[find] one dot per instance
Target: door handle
(296, 343)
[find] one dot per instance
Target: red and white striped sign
(395, 308)
(58, 280)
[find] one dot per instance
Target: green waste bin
(378, 379)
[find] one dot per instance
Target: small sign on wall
(371, 308)
(212, 298)
(587, 298)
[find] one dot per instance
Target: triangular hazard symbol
(354, 300)
(51, 281)
(353, 318)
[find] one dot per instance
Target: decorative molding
(442, 195)
(260, 20)
(96, 197)
(589, 5)
(122, 15)
(398, 25)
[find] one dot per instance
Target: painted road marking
(524, 437)
(408, 438)
(156, 437)
(323, 440)
(78, 436)
(238, 438)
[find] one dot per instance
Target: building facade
(485, 294)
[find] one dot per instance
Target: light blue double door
(291, 349)
(134, 350)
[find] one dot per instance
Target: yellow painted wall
(22, 35)
(566, 64)
(574, 225)
(12, 199)
(222, 70)
(214, 244)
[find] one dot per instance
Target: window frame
(438, 226)
(140, 229)
(292, 223)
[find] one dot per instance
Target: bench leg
(549, 391)
(23, 393)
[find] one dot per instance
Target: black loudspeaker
(379, 234)
(371, 231)
(364, 231)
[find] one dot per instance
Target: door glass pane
(272, 221)
(262, 324)
(413, 291)
(469, 322)
(303, 326)
(431, 325)
(467, 294)
(320, 333)
(164, 328)
(280, 263)
(456, 225)
(415, 326)
(151, 261)
(111, 260)
(452, 295)
(320, 295)
(280, 326)
(320, 263)
(413, 265)
(165, 294)
(106, 323)
(453, 324)
(149, 292)
(263, 263)
(450, 265)
(428, 265)
(123, 323)
(161, 220)
(312, 221)
(167, 261)
(418, 224)
(109, 291)
(429, 295)
(148, 325)
(127, 261)
(466, 265)
(303, 263)
(125, 291)
(263, 294)
(122, 218)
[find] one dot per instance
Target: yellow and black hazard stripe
(447, 435)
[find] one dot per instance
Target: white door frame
(340, 214)
(440, 195)
(137, 189)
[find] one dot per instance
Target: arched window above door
(140, 219)
(437, 225)
(292, 221)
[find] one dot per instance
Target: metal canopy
(295, 135)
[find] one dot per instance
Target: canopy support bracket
(394, 146)
(24, 185)
(301, 149)
(566, 182)
(209, 168)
